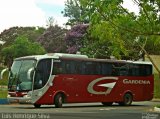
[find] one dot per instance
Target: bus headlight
(8, 95)
(26, 96)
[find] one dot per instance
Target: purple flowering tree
(74, 37)
(53, 39)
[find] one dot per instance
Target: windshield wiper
(17, 83)
(12, 81)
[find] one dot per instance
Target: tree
(53, 39)
(21, 47)
(74, 11)
(137, 28)
(51, 22)
(125, 33)
(10, 35)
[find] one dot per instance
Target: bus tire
(37, 105)
(127, 100)
(58, 100)
(107, 103)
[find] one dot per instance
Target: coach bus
(54, 79)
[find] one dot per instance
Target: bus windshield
(18, 78)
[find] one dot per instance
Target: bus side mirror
(30, 73)
(2, 72)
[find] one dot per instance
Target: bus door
(41, 77)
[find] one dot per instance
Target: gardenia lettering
(126, 81)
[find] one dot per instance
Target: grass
(4, 81)
(3, 94)
(3, 84)
(156, 59)
(157, 87)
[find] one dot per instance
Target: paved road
(141, 110)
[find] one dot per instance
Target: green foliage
(128, 30)
(10, 35)
(158, 106)
(153, 45)
(149, 16)
(104, 43)
(106, 20)
(74, 11)
(21, 47)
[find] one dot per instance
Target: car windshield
(18, 78)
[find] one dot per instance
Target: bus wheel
(58, 101)
(127, 100)
(107, 103)
(37, 105)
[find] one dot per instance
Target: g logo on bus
(109, 86)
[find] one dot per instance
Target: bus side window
(106, 69)
(115, 69)
(134, 70)
(90, 68)
(64, 67)
(149, 70)
(123, 71)
(145, 70)
(69, 67)
(78, 67)
(57, 68)
(83, 68)
(140, 70)
(98, 68)
(72, 67)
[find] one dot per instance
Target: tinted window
(123, 69)
(57, 68)
(76, 67)
(42, 73)
(115, 69)
(106, 69)
(65, 67)
(101, 68)
(140, 70)
(91, 68)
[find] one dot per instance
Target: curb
(4, 101)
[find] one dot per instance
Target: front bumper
(22, 100)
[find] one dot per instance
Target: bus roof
(78, 57)
(53, 55)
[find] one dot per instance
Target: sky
(30, 12)
(35, 12)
